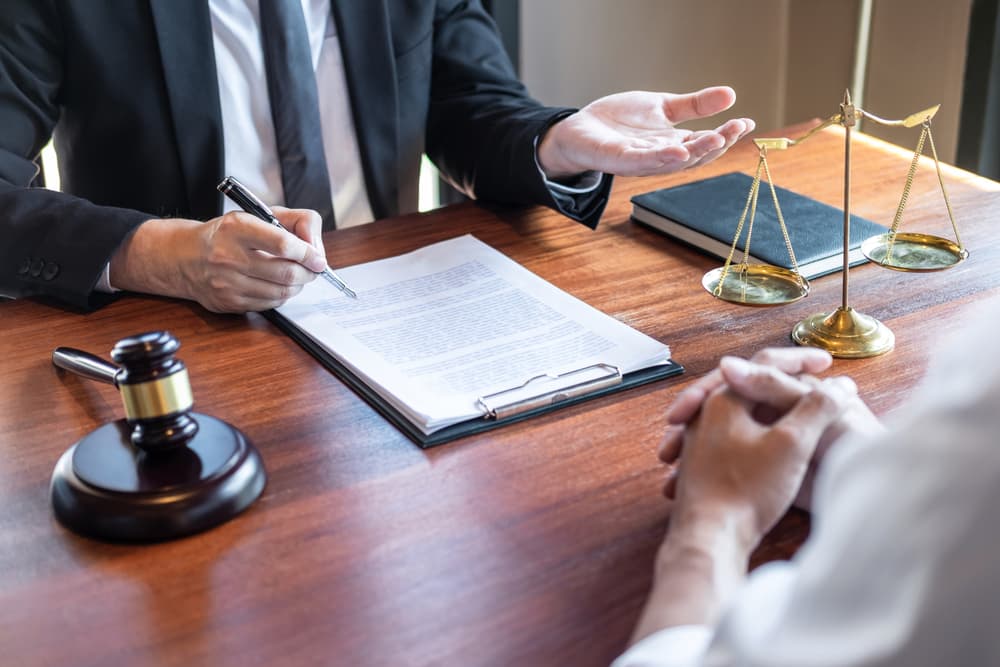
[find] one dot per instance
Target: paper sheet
(435, 329)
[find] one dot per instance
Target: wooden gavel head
(156, 391)
(163, 471)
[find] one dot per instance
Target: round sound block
(107, 488)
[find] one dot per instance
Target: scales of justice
(843, 332)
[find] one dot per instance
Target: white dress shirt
(247, 129)
(903, 564)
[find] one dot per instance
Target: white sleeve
(680, 646)
(583, 184)
(104, 282)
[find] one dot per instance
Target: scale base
(106, 488)
(845, 333)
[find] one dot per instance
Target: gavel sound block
(164, 471)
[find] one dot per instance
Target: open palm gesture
(635, 134)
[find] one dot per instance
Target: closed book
(705, 214)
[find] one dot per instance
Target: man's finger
(248, 294)
(670, 445)
(304, 223)
(794, 360)
(814, 413)
(701, 144)
(735, 129)
(282, 273)
(670, 484)
(687, 403)
(281, 243)
(652, 160)
(705, 102)
(762, 384)
(791, 360)
(731, 131)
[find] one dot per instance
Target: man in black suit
(131, 93)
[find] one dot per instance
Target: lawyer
(152, 103)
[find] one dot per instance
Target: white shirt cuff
(680, 646)
(104, 282)
(586, 182)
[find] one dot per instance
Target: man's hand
(233, 263)
(634, 134)
(745, 473)
(737, 478)
(770, 381)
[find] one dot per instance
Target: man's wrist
(567, 182)
(147, 261)
(550, 158)
(729, 526)
(700, 564)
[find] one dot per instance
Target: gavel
(163, 471)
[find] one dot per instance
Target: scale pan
(913, 252)
(756, 285)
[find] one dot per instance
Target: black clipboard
(472, 426)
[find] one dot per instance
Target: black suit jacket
(129, 89)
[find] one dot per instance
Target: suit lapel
(184, 34)
(366, 44)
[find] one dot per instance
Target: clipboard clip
(548, 389)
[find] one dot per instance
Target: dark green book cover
(705, 213)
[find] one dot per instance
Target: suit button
(50, 271)
(23, 267)
(36, 268)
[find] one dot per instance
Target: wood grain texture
(528, 545)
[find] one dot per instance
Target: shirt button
(23, 267)
(36, 268)
(50, 271)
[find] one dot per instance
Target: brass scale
(844, 332)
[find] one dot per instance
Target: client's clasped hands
(745, 440)
(742, 442)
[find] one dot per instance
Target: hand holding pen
(249, 202)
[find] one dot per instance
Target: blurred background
(789, 60)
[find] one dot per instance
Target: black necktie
(291, 85)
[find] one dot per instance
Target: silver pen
(249, 202)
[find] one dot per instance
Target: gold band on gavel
(157, 398)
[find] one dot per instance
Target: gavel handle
(85, 364)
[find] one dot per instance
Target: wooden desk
(529, 545)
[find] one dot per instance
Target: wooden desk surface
(529, 545)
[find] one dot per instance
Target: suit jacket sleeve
(53, 243)
(482, 124)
